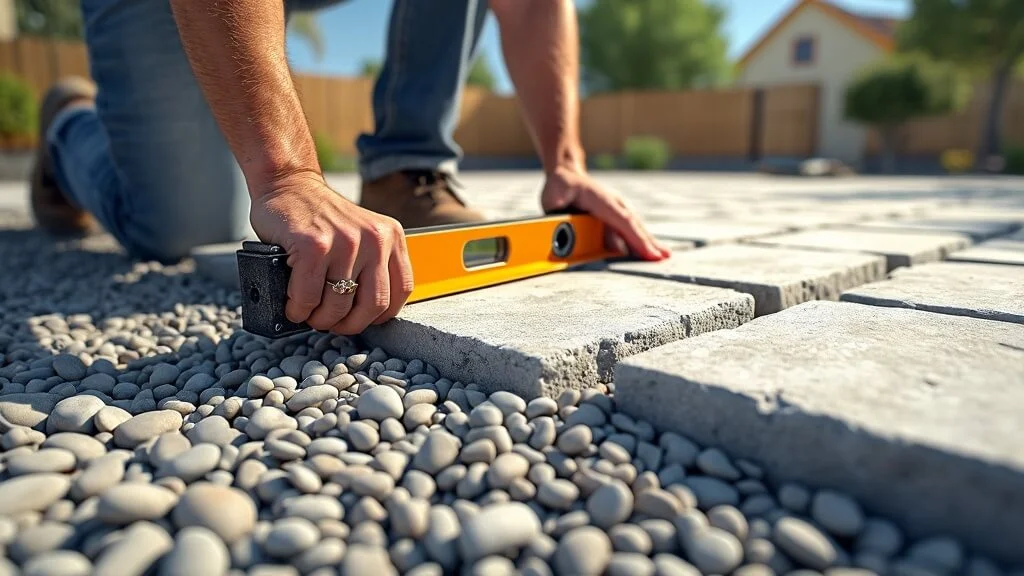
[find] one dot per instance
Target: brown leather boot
(418, 198)
(50, 206)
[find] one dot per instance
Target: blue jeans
(150, 163)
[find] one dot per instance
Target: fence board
(929, 136)
(349, 110)
(35, 62)
(500, 130)
(471, 130)
(311, 91)
(693, 123)
(71, 59)
(7, 63)
(790, 120)
(601, 123)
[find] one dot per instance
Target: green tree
(889, 93)
(18, 108)
(653, 44)
(370, 68)
(985, 35)
(480, 74)
(50, 18)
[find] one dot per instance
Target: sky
(355, 30)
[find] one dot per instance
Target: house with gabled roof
(819, 42)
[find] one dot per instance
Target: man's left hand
(566, 187)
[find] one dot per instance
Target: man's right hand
(328, 238)
(235, 52)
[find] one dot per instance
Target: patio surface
(827, 374)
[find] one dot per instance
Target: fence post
(756, 125)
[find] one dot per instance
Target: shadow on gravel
(68, 297)
(45, 278)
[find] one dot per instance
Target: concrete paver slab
(978, 227)
(916, 414)
(794, 221)
(678, 245)
(711, 231)
(899, 249)
(217, 262)
(963, 289)
(776, 277)
(564, 330)
(1001, 250)
(666, 213)
(876, 208)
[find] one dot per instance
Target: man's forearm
(237, 51)
(540, 43)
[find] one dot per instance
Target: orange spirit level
(445, 260)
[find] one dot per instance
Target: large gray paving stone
(1001, 250)
(776, 277)
(874, 208)
(218, 263)
(564, 330)
(985, 291)
(899, 248)
(978, 226)
(916, 414)
(711, 231)
(678, 245)
(796, 220)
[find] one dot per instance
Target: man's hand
(566, 187)
(236, 49)
(328, 238)
(540, 42)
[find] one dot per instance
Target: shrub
(957, 160)
(330, 159)
(895, 90)
(605, 162)
(18, 107)
(345, 163)
(646, 153)
(1014, 157)
(326, 151)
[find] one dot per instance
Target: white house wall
(839, 52)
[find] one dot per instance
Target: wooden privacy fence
(38, 62)
(743, 122)
(725, 123)
(931, 136)
(740, 122)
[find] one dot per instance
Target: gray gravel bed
(141, 432)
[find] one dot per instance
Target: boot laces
(434, 185)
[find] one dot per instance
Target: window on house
(803, 51)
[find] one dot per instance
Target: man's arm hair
(540, 44)
(237, 51)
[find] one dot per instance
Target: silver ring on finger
(344, 286)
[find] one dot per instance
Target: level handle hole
(563, 240)
(485, 252)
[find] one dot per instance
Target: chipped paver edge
(703, 411)
(893, 293)
(984, 314)
(496, 368)
(893, 260)
(802, 429)
(773, 298)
